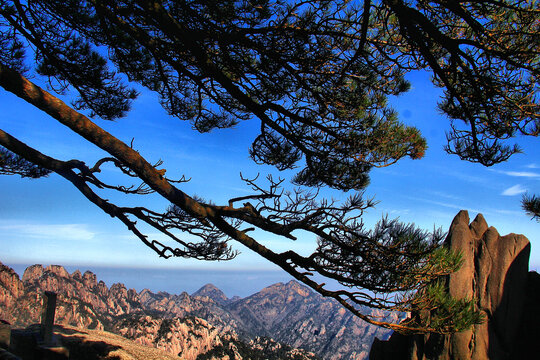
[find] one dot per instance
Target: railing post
(47, 317)
(5, 334)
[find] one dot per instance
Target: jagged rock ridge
(167, 322)
(495, 273)
(293, 314)
(288, 313)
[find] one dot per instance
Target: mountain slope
(289, 313)
(293, 314)
(212, 292)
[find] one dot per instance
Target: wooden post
(5, 334)
(47, 317)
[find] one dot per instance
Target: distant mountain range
(286, 320)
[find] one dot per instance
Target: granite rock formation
(279, 314)
(212, 292)
(11, 287)
(495, 273)
(293, 314)
(76, 343)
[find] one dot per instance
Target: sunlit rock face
(293, 314)
(280, 314)
(495, 272)
(11, 287)
(156, 320)
(212, 292)
(186, 337)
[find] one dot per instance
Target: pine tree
(316, 76)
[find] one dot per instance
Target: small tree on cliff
(531, 204)
(316, 75)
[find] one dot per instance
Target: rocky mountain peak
(207, 287)
(298, 288)
(288, 312)
(77, 275)
(32, 272)
(11, 287)
(479, 226)
(8, 273)
(292, 288)
(58, 271)
(211, 291)
(89, 279)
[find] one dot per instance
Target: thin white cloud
(400, 212)
(442, 217)
(523, 174)
(440, 194)
(533, 166)
(527, 174)
(514, 190)
(49, 231)
(448, 205)
(465, 177)
(509, 212)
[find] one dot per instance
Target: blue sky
(47, 221)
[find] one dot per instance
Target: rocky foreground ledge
(495, 272)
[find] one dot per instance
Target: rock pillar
(495, 273)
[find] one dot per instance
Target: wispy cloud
(527, 174)
(447, 204)
(523, 174)
(443, 217)
(400, 212)
(533, 166)
(465, 177)
(514, 190)
(54, 231)
(509, 212)
(440, 194)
